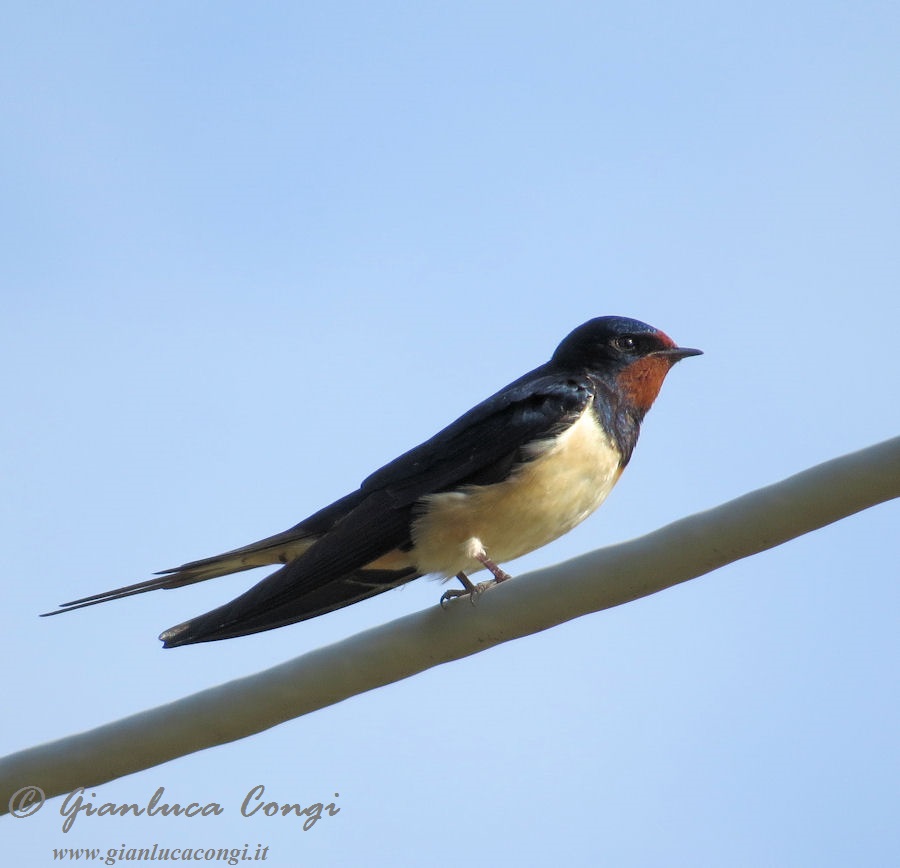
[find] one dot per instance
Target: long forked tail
(278, 549)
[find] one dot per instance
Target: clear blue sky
(253, 251)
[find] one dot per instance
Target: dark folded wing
(479, 448)
(324, 578)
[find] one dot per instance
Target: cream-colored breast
(544, 498)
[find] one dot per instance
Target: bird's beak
(676, 354)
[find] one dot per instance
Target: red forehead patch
(665, 339)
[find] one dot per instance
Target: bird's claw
(472, 592)
(452, 594)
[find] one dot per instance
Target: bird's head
(628, 353)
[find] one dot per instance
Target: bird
(512, 474)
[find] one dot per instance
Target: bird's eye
(625, 343)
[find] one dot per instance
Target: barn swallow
(509, 476)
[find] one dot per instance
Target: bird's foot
(473, 595)
(467, 590)
(473, 591)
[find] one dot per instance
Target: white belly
(545, 498)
